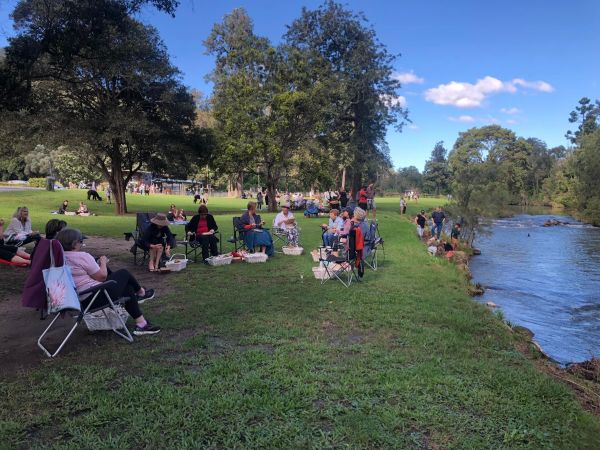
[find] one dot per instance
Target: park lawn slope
(263, 356)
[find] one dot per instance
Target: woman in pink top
(88, 273)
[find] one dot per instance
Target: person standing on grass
(371, 201)
(420, 220)
(402, 206)
(455, 235)
(259, 200)
(437, 222)
(362, 198)
(108, 193)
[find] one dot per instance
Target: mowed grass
(264, 356)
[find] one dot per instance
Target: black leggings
(208, 242)
(126, 286)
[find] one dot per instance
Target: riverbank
(264, 356)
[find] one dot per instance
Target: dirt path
(20, 327)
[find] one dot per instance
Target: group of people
(87, 271)
(176, 215)
(437, 220)
(82, 210)
(337, 230)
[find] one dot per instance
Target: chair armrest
(98, 287)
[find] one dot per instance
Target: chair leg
(62, 344)
(127, 335)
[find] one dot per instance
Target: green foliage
(436, 175)
(104, 87)
(37, 182)
(587, 115)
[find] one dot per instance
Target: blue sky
(521, 64)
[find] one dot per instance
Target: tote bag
(60, 288)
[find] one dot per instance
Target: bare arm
(103, 272)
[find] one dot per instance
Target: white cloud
(394, 101)
(510, 111)
(541, 86)
(463, 119)
(469, 95)
(408, 78)
(511, 121)
(412, 126)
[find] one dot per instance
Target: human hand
(103, 260)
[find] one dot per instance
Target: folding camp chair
(237, 239)
(280, 236)
(95, 291)
(140, 252)
(192, 247)
(374, 246)
(343, 264)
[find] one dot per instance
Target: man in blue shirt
(437, 221)
(335, 226)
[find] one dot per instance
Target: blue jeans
(436, 230)
(328, 239)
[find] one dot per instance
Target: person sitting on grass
(83, 209)
(202, 228)
(88, 273)
(172, 213)
(333, 228)
(19, 230)
(64, 207)
(286, 221)
(254, 235)
(156, 237)
(10, 253)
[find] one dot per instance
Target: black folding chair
(95, 291)
(192, 246)
(237, 239)
(140, 251)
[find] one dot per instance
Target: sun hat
(160, 219)
(286, 205)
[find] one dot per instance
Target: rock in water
(491, 304)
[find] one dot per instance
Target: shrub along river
(546, 279)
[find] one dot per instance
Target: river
(546, 279)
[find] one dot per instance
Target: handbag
(60, 287)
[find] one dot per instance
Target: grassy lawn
(263, 356)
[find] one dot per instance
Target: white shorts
(371, 203)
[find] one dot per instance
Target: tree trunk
(117, 184)
(344, 179)
(272, 182)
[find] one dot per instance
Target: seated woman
(172, 213)
(88, 273)
(64, 207)
(83, 209)
(156, 236)
(11, 253)
(180, 216)
(202, 228)
(254, 235)
(53, 226)
(19, 230)
(286, 221)
(347, 215)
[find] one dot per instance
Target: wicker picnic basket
(254, 258)
(97, 321)
(176, 263)
(220, 260)
(315, 255)
(320, 273)
(292, 251)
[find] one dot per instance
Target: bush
(592, 211)
(37, 182)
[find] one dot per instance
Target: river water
(546, 279)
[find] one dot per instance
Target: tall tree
(264, 108)
(362, 95)
(587, 115)
(101, 82)
(436, 175)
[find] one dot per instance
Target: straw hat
(160, 219)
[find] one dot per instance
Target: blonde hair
(20, 209)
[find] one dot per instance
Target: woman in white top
(19, 229)
(286, 221)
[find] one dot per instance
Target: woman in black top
(157, 236)
(201, 229)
